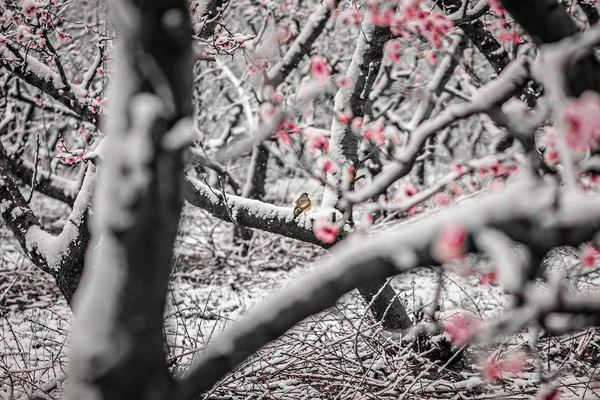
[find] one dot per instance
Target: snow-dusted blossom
(374, 133)
(511, 37)
(493, 369)
(431, 58)
(409, 190)
(320, 69)
(459, 328)
(23, 33)
(317, 139)
(393, 50)
(589, 256)
(496, 8)
(326, 165)
(343, 81)
(62, 36)
(343, 117)
(286, 33)
(325, 231)
(441, 199)
(488, 278)
(350, 16)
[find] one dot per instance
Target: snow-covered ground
(337, 354)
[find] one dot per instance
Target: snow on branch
(302, 45)
(351, 100)
(396, 251)
(465, 14)
(61, 256)
(40, 76)
(486, 99)
(250, 213)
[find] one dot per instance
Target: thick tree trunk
(117, 349)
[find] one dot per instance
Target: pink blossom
(451, 245)
(488, 278)
(458, 169)
(29, 8)
(382, 18)
(491, 370)
(583, 121)
(374, 133)
(357, 123)
(277, 98)
(393, 50)
(496, 8)
(510, 37)
(67, 159)
(3, 40)
(284, 138)
(285, 34)
(343, 117)
(320, 68)
(589, 256)
(409, 190)
(460, 328)
(62, 36)
(267, 111)
(326, 165)
(343, 81)
(23, 32)
(552, 394)
(350, 16)
(432, 58)
(441, 199)
(317, 140)
(325, 231)
(414, 210)
(100, 71)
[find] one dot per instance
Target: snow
(53, 249)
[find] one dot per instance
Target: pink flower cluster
(494, 369)
(433, 26)
(325, 231)
(320, 69)
(583, 122)
(460, 328)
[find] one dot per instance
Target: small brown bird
(303, 204)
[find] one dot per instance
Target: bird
(303, 204)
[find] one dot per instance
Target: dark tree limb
(117, 348)
(547, 21)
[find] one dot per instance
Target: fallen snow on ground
(340, 353)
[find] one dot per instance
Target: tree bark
(117, 349)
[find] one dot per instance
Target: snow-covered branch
(40, 76)
(61, 256)
(249, 213)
